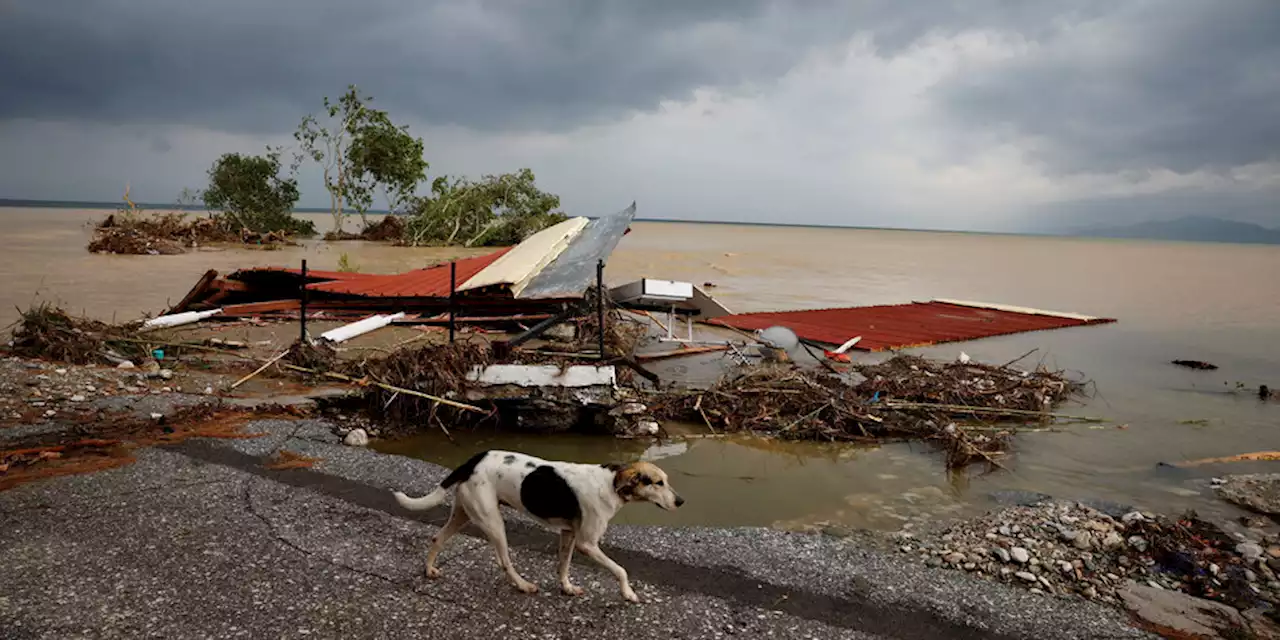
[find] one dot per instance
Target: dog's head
(645, 482)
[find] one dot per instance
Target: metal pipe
(600, 304)
(453, 293)
(302, 306)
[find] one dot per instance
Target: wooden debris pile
(47, 332)
(906, 397)
(157, 234)
(437, 370)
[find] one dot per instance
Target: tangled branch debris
(158, 234)
(905, 397)
(46, 331)
(437, 370)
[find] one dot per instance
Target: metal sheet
(527, 258)
(906, 325)
(570, 274)
(432, 282)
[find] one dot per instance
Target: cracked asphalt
(200, 540)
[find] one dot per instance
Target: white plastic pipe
(179, 319)
(360, 327)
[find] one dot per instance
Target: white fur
(476, 500)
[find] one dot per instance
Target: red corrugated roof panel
(311, 273)
(902, 325)
(432, 282)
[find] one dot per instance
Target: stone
(1001, 554)
(166, 374)
(78, 398)
(1274, 552)
(127, 364)
(1026, 575)
(1138, 543)
(1249, 550)
(356, 438)
(1090, 592)
(1020, 555)
(954, 558)
(1006, 531)
(970, 566)
(933, 562)
(1066, 567)
(1258, 491)
(1176, 611)
(1131, 517)
(1083, 541)
(1112, 540)
(157, 416)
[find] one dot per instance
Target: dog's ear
(626, 480)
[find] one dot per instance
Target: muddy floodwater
(1214, 302)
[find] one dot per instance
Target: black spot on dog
(612, 466)
(546, 495)
(465, 471)
(530, 464)
(509, 459)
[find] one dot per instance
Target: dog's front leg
(566, 557)
(592, 550)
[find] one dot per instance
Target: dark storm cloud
(247, 65)
(1177, 85)
(253, 66)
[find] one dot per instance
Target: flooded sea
(1213, 302)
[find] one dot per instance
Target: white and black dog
(579, 500)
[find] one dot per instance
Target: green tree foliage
(251, 194)
(361, 151)
(493, 211)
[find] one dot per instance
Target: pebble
(933, 562)
(126, 365)
(1112, 540)
(78, 398)
(61, 372)
(1138, 542)
(1083, 541)
(1249, 550)
(1066, 567)
(1089, 592)
(1020, 555)
(1274, 552)
(1131, 517)
(357, 438)
(955, 558)
(970, 566)
(1006, 531)
(1027, 575)
(1001, 554)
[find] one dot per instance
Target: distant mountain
(1192, 229)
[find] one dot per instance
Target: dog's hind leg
(457, 520)
(486, 516)
(566, 557)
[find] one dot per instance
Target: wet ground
(199, 539)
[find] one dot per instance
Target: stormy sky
(965, 114)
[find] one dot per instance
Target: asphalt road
(199, 540)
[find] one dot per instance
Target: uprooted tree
(361, 151)
(495, 210)
(251, 194)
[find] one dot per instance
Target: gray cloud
(1177, 85)
(258, 66)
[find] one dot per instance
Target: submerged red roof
(903, 325)
(432, 282)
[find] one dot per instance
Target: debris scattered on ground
(103, 440)
(47, 332)
(904, 397)
(1196, 364)
(1259, 491)
(285, 459)
(1060, 547)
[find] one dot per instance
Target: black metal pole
(600, 304)
(302, 305)
(453, 293)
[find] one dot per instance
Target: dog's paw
(572, 590)
(527, 587)
(630, 596)
(433, 573)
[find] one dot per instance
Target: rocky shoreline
(1056, 547)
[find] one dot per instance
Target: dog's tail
(436, 498)
(429, 501)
